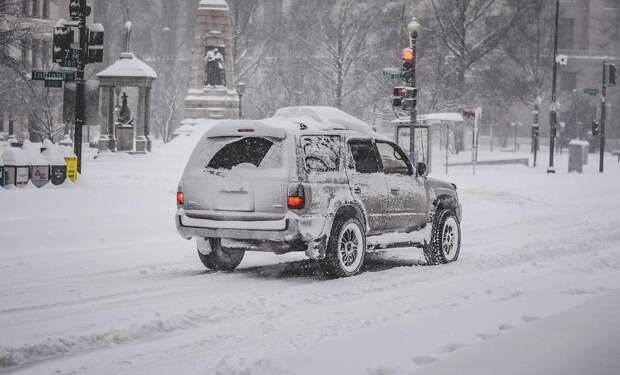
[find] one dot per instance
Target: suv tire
(346, 248)
(221, 258)
(445, 243)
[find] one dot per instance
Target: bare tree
(470, 30)
(339, 44)
(15, 31)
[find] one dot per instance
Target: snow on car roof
(323, 118)
(296, 120)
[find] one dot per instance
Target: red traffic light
(399, 92)
(408, 54)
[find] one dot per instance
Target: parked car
(334, 193)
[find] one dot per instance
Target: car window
(393, 159)
(249, 152)
(364, 156)
(320, 153)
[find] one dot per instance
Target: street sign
(393, 73)
(53, 83)
(71, 58)
(591, 92)
(62, 75)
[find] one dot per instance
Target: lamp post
(554, 105)
(240, 90)
(536, 128)
(413, 28)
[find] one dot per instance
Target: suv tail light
(180, 198)
(296, 198)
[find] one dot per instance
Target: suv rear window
(249, 152)
(320, 153)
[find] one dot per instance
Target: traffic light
(535, 131)
(95, 43)
(63, 37)
(399, 94)
(74, 9)
(408, 74)
(612, 75)
(595, 128)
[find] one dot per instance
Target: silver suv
(283, 186)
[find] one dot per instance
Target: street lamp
(536, 128)
(554, 99)
(413, 28)
(240, 90)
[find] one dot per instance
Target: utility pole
(554, 98)
(603, 118)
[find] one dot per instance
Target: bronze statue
(215, 74)
(124, 115)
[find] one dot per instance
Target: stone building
(35, 53)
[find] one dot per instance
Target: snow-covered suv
(311, 183)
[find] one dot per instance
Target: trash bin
(39, 166)
(71, 161)
(58, 165)
(577, 155)
(16, 167)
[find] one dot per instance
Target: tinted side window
(393, 159)
(364, 156)
(320, 153)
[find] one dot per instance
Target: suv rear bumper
(277, 230)
(280, 233)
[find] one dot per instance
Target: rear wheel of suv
(445, 243)
(346, 248)
(221, 258)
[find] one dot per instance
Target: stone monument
(212, 93)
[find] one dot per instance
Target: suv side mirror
(421, 169)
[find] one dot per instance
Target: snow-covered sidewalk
(95, 280)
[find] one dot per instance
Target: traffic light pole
(603, 118)
(554, 98)
(413, 113)
(79, 87)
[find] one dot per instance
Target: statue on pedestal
(215, 73)
(124, 115)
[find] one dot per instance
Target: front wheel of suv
(445, 243)
(221, 258)
(346, 248)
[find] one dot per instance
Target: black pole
(554, 104)
(413, 113)
(535, 130)
(79, 87)
(603, 118)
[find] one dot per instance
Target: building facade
(589, 35)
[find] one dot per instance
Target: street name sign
(57, 75)
(591, 92)
(393, 72)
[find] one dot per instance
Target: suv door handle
(395, 190)
(357, 190)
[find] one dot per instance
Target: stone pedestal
(124, 136)
(213, 31)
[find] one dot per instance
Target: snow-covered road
(95, 280)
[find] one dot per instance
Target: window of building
(568, 81)
(46, 9)
(35, 8)
(566, 33)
